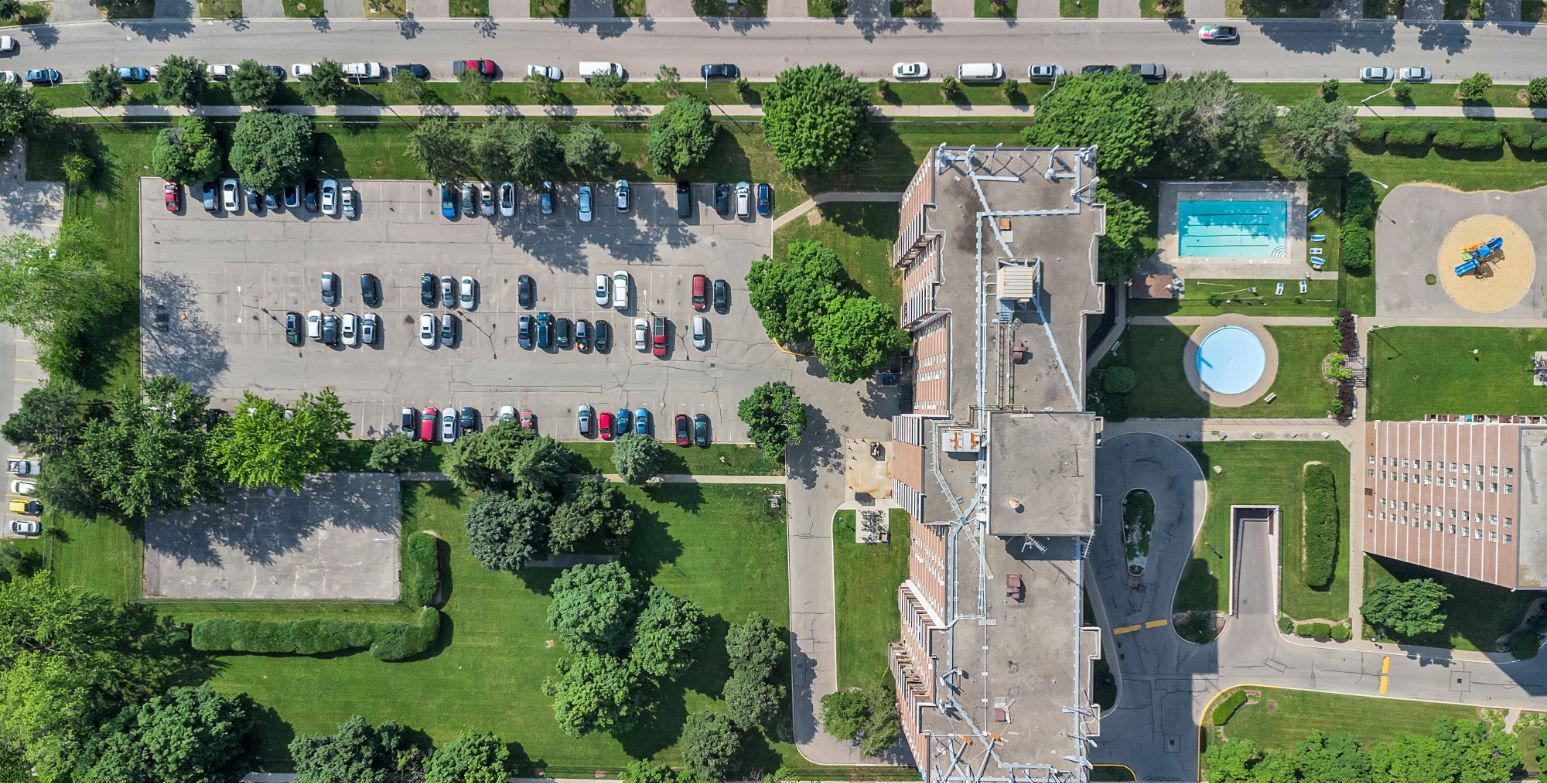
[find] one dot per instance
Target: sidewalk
(664, 478)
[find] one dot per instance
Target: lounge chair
(1304, 286)
(1318, 237)
(1315, 213)
(1278, 290)
(1315, 251)
(1317, 262)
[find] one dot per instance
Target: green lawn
(994, 9)
(1212, 297)
(31, 13)
(100, 555)
(1282, 718)
(1275, 9)
(826, 9)
(628, 7)
(861, 235)
(1161, 9)
(1475, 616)
(911, 9)
(1419, 370)
(718, 460)
(867, 576)
(1258, 473)
(1533, 11)
(300, 9)
(466, 8)
(1155, 354)
(220, 9)
(1078, 9)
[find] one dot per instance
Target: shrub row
(1525, 644)
(1356, 245)
(1348, 333)
(387, 641)
(1470, 135)
(1321, 525)
(1227, 707)
(1346, 400)
(1337, 633)
(421, 569)
(1527, 136)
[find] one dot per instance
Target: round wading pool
(1230, 360)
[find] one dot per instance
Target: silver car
(468, 295)
(231, 196)
(448, 425)
(1415, 73)
(349, 331)
(370, 328)
(583, 203)
(347, 195)
(486, 200)
(330, 197)
(1375, 73)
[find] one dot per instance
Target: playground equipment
(1474, 256)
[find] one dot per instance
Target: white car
(221, 71)
(370, 328)
(743, 199)
(23, 467)
(641, 335)
(1044, 73)
(507, 199)
(1415, 73)
(427, 336)
(301, 69)
(231, 196)
(314, 325)
(550, 72)
(349, 330)
(910, 71)
(350, 201)
(20, 487)
(365, 72)
(620, 290)
(1375, 73)
(603, 291)
(700, 332)
(507, 413)
(467, 293)
(486, 199)
(9, 77)
(25, 527)
(448, 425)
(583, 203)
(8, 45)
(330, 197)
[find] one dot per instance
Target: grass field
(1212, 297)
(220, 9)
(1282, 718)
(1476, 615)
(718, 460)
(99, 555)
(1420, 370)
(1155, 354)
(866, 577)
(994, 9)
(1263, 474)
(861, 235)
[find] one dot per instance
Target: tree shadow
(175, 338)
(651, 545)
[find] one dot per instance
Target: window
(1372, 460)
(1372, 473)
(1452, 483)
(1477, 535)
(1466, 484)
(1426, 524)
(1493, 536)
(1493, 519)
(1452, 513)
(1427, 481)
(1493, 486)
(1465, 531)
(1428, 464)
(1493, 470)
(1509, 472)
(1466, 516)
(1452, 528)
(1452, 467)
(1509, 521)
(1508, 539)
(1466, 467)
(1509, 489)
(1428, 509)
(1369, 514)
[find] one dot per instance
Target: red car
(485, 68)
(605, 422)
(658, 336)
(174, 197)
(528, 421)
(427, 422)
(684, 430)
(700, 293)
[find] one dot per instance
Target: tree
(1206, 124)
(18, 563)
(187, 734)
(407, 87)
(505, 531)
(668, 81)
(442, 148)
(1110, 110)
(10, 10)
(756, 646)
(1277, 765)
(325, 84)
(1481, 752)
(475, 88)
(397, 452)
(637, 458)
(587, 149)
(753, 701)
(254, 85)
(1411, 758)
(481, 460)
(816, 119)
(597, 693)
(1408, 608)
(794, 296)
(20, 113)
(1121, 248)
(868, 717)
(473, 757)
(59, 292)
(1475, 87)
(1313, 135)
(269, 150)
(594, 512)
(1536, 91)
(104, 87)
(49, 419)
(67, 487)
(609, 87)
(181, 80)
(259, 445)
(77, 168)
(357, 753)
(859, 337)
(648, 772)
(666, 633)
(680, 136)
(542, 465)
(593, 608)
(152, 453)
(186, 152)
(711, 746)
(541, 89)
(522, 150)
(774, 416)
(1230, 761)
(1333, 759)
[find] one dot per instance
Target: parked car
(722, 199)
(330, 197)
(764, 199)
(507, 413)
(700, 332)
(208, 195)
(129, 74)
(427, 422)
(329, 289)
(427, 330)
(582, 335)
(254, 201)
(620, 290)
(563, 336)
(684, 199)
(448, 291)
(24, 527)
(294, 329)
(364, 72)
(427, 289)
(8, 45)
(719, 71)
(468, 419)
(641, 335)
(42, 77)
(550, 72)
(544, 330)
(312, 196)
(700, 293)
(220, 71)
(507, 199)
(722, 296)
(270, 202)
(1090, 69)
(370, 328)
(469, 200)
(23, 467)
(370, 290)
(624, 194)
(278, 72)
(314, 324)
(351, 202)
(468, 293)
(526, 291)
(602, 337)
(621, 422)
(349, 331)
(330, 329)
(528, 420)
(300, 70)
(485, 68)
(603, 291)
(9, 77)
(681, 429)
(31, 508)
(230, 196)
(701, 430)
(292, 196)
(172, 194)
(583, 203)
(486, 200)
(448, 203)
(545, 199)
(658, 345)
(21, 487)
(448, 425)
(1151, 73)
(410, 68)
(1218, 33)
(605, 425)
(743, 199)
(907, 71)
(410, 416)
(584, 416)
(524, 329)
(449, 329)
(1045, 73)
(1375, 73)
(641, 421)
(1415, 73)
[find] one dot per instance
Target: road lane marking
(1161, 623)
(1385, 666)
(1126, 629)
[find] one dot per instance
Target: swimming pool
(1231, 360)
(1232, 229)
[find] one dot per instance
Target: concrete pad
(590, 9)
(263, 9)
(952, 9)
(343, 9)
(429, 9)
(683, 9)
(779, 9)
(26, 207)
(1036, 9)
(510, 9)
(178, 9)
(336, 540)
(1204, 9)
(1118, 9)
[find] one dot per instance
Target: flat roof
(1042, 474)
(1533, 508)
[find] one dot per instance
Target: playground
(1444, 252)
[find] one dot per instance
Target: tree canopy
(1111, 110)
(481, 460)
(270, 150)
(793, 296)
(867, 717)
(595, 512)
(397, 452)
(325, 84)
(254, 85)
(186, 735)
(186, 152)
(816, 119)
(522, 150)
(857, 338)
(711, 746)
(59, 292)
(104, 87)
(357, 753)
(1313, 135)
(442, 148)
(181, 80)
(587, 149)
(1121, 247)
(774, 416)
(666, 634)
(680, 135)
(506, 530)
(593, 607)
(473, 757)
(1408, 608)
(49, 418)
(259, 445)
(637, 458)
(598, 693)
(20, 112)
(1206, 124)
(152, 452)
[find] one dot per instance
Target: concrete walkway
(664, 478)
(846, 196)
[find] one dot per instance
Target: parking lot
(215, 290)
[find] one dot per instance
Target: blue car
(764, 199)
(42, 76)
(641, 422)
(134, 74)
(620, 424)
(448, 203)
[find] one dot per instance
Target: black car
(370, 290)
(469, 420)
(329, 289)
(279, 73)
(254, 201)
(1098, 69)
(583, 334)
(722, 296)
(293, 328)
(312, 195)
(413, 68)
(330, 329)
(764, 199)
(544, 330)
(562, 334)
(602, 339)
(722, 199)
(719, 71)
(427, 289)
(524, 331)
(526, 291)
(701, 430)
(684, 199)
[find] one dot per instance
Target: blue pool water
(1230, 360)
(1232, 229)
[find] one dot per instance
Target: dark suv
(684, 199)
(370, 290)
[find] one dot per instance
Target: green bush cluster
(1356, 246)
(1227, 707)
(387, 641)
(1314, 630)
(421, 569)
(1321, 525)
(1358, 214)
(1525, 136)
(1285, 625)
(1455, 135)
(1469, 136)
(1525, 644)
(1341, 633)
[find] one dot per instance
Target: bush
(1469, 136)
(401, 641)
(1227, 707)
(1329, 90)
(421, 569)
(1285, 625)
(1348, 333)
(1524, 645)
(1321, 525)
(1314, 630)
(387, 641)
(1341, 633)
(1536, 91)
(1522, 135)
(1356, 246)
(1408, 134)
(1475, 87)
(1118, 380)
(1403, 92)
(1371, 133)
(1359, 200)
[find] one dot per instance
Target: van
(589, 69)
(980, 72)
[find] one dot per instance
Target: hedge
(1341, 633)
(1524, 645)
(1359, 200)
(1321, 525)
(387, 641)
(1371, 133)
(1408, 134)
(421, 569)
(1356, 245)
(1226, 708)
(1314, 630)
(1469, 136)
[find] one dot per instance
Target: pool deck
(1292, 265)
(1269, 361)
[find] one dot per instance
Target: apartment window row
(1443, 511)
(1464, 531)
(1429, 481)
(1429, 464)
